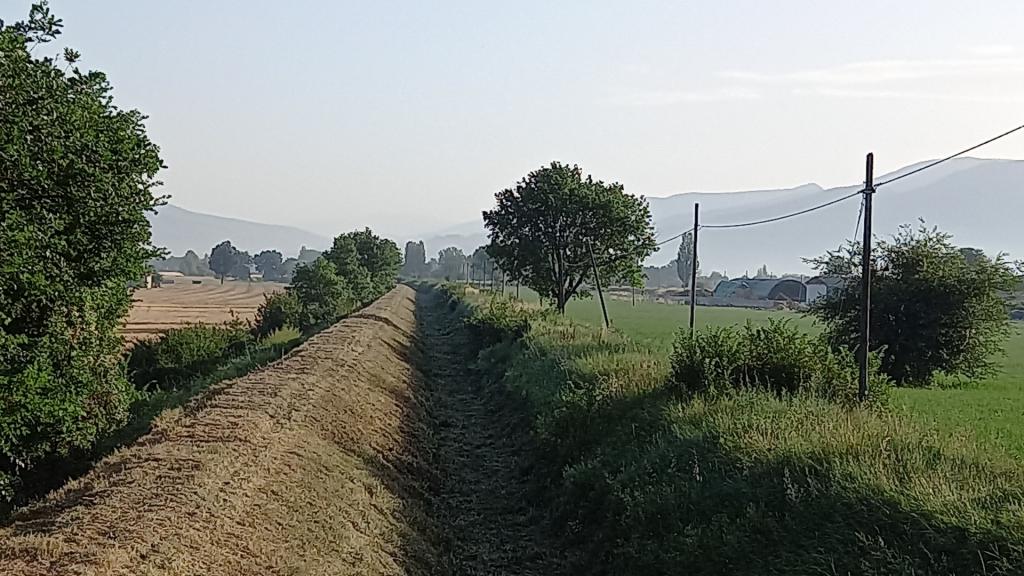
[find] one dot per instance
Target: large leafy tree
(368, 263)
(451, 263)
(684, 259)
(934, 308)
(542, 229)
(77, 176)
(414, 264)
(268, 263)
(224, 259)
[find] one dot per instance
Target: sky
(408, 116)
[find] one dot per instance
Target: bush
(935, 308)
(77, 176)
(185, 353)
(277, 311)
(498, 320)
(324, 297)
(776, 357)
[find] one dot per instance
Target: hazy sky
(407, 116)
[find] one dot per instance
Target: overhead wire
(948, 158)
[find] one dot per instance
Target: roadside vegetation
(648, 476)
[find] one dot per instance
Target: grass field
(991, 410)
(156, 310)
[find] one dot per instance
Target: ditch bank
(303, 467)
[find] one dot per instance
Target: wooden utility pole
(597, 282)
(865, 275)
(693, 271)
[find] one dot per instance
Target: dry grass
(288, 470)
(157, 310)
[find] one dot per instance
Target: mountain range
(976, 200)
(179, 230)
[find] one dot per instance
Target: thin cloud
(669, 97)
(992, 50)
(979, 98)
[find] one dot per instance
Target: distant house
(820, 286)
(776, 289)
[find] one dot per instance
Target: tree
(268, 263)
(451, 262)
(321, 294)
(541, 232)
(308, 255)
(932, 311)
(288, 269)
(684, 259)
(345, 258)
(77, 178)
(380, 257)
(481, 265)
(224, 259)
(762, 272)
(243, 266)
(415, 263)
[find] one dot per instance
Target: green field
(991, 410)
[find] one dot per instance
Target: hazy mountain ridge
(179, 230)
(979, 201)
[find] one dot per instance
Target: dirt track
(340, 459)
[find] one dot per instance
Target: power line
(785, 216)
(950, 157)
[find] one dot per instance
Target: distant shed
(777, 289)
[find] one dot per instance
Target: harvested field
(157, 310)
(342, 458)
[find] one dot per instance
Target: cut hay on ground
(289, 470)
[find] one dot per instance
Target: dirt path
(484, 503)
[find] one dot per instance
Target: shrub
(935, 308)
(499, 319)
(185, 353)
(776, 357)
(277, 311)
(323, 296)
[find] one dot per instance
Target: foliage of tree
(321, 293)
(268, 263)
(932, 311)
(278, 310)
(77, 176)
(367, 263)
(224, 259)
(308, 255)
(763, 272)
(190, 264)
(481, 265)
(451, 263)
(243, 266)
(542, 229)
(684, 259)
(414, 264)
(288, 269)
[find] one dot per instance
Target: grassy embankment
(991, 411)
(644, 482)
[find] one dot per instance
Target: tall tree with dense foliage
(541, 232)
(451, 263)
(684, 259)
(414, 264)
(224, 259)
(934, 308)
(368, 263)
(268, 263)
(77, 177)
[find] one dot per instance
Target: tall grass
(644, 480)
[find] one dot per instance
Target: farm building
(823, 286)
(777, 289)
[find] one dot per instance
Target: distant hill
(979, 201)
(179, 230)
